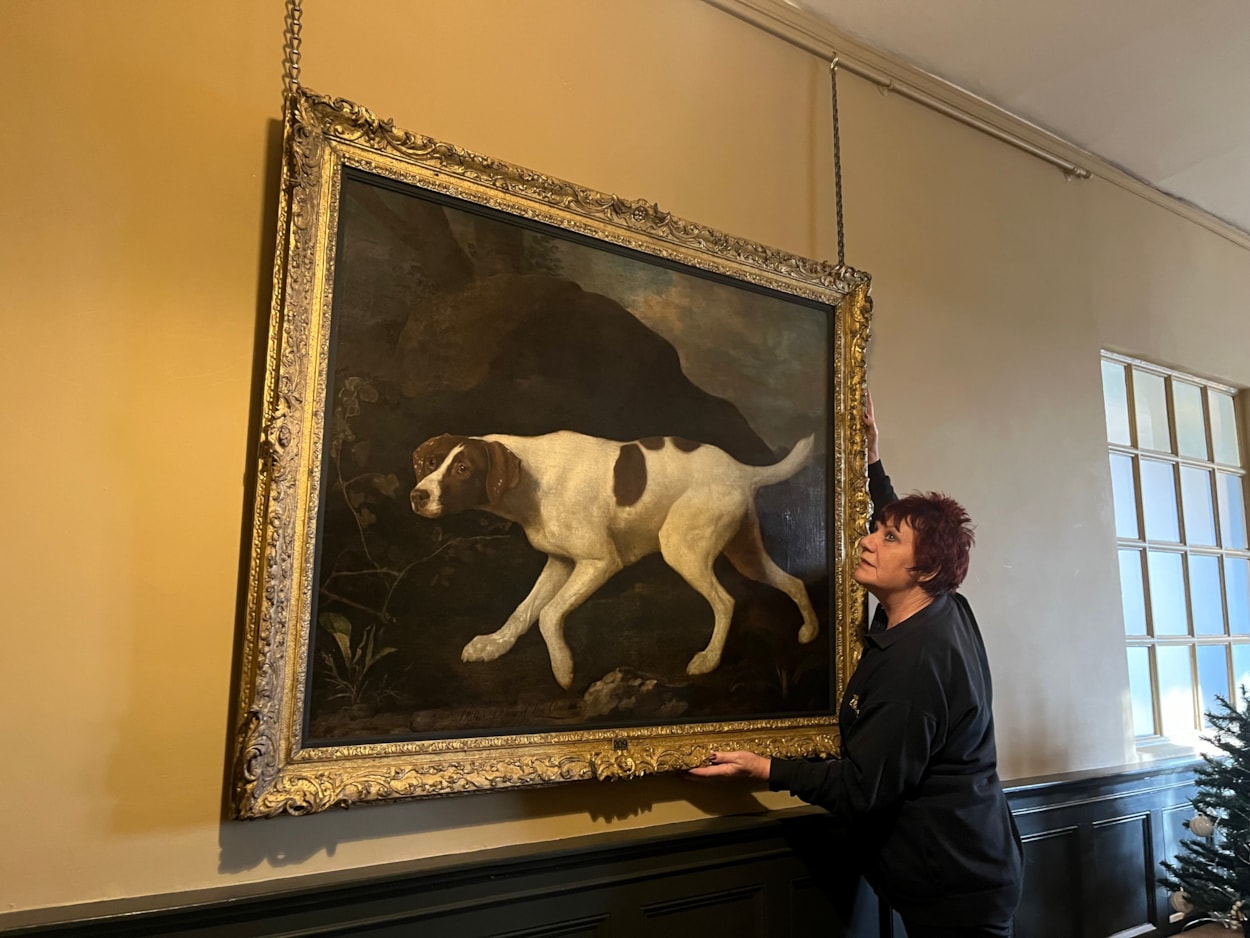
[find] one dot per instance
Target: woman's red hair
(943, 538)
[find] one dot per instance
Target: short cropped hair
(943, 538)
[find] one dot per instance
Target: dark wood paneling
(1115, 830)
(1122, 877)
(1172, 830)
(1092, 847)
(587, 928)
(737, 913)
(1049, 905)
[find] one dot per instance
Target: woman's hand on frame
(870, 428)
(734, 765)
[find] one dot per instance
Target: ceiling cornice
(814, 35)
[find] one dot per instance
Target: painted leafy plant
(352, 672)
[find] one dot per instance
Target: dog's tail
(790, 466)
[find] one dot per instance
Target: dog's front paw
(484, 648)
(703, 663)
(561, 660)
(564, 676)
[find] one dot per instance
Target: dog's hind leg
(490, 646)
(586, 577)
(745, 551)
(691, 538)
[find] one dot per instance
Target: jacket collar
(883, 637)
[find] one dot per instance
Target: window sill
(1165, 749)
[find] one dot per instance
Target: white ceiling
(1159, 87)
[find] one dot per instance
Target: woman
(917, 786)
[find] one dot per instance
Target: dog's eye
(461, 468)
(432, 462)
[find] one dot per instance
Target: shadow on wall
(156, 779)
(286, 841)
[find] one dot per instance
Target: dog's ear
(503, 470)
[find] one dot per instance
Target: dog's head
(455, 473)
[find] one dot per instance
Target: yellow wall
(136, 215)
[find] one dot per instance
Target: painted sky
(766, 354)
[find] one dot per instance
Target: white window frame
(1145, 546)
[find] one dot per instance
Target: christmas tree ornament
(1201, 825)
(1179, 903)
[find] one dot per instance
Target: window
(1179, 481)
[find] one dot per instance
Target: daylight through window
(1179, 482)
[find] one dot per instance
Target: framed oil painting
(553, 486)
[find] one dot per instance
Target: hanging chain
(837, 161)
(290, 47)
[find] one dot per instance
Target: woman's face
(886, 558)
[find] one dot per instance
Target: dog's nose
(419, 498)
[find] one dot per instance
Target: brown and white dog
(596, 506)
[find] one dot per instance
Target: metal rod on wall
(773, 16)
(889, 85)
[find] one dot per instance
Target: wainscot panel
(1092, 846)
(1093, 843)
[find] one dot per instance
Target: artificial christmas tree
(1212, 875)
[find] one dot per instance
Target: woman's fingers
(742, 764)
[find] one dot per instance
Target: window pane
(1224, 429)
(1115, 402)
(1191, 429)
(1237, 589)
(1150, 402)
(1232, 511)
(1125, 492)
(1241, 670)
(1141, 691)
(1196, 500)
(1158, 489)
(1167, 593)
(1131, 590)
(1204, 594)
(1212, 678)
(1176, 689)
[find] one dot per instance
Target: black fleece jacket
(917, 789)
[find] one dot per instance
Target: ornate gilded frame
(275, 771)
